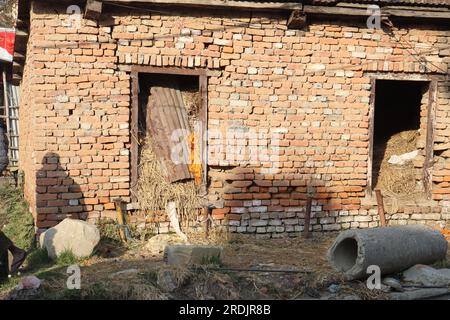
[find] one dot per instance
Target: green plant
(16, 220)
(214, 260)
(66, 258)
(37, 259)
(108, 230)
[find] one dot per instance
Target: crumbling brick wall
(307, 89)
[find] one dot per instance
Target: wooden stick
(120, 219)
(380, 207)
(205, 216)
(306, 233)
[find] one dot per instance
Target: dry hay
(192, 102)
(397, 180)
(217, 235)
(155, 191)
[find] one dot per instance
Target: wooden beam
(169, 70)
(401, 13)
(279, 5)
(429, 162)
(373, 83)
(362, 12)
(297, 20)
(134, 134)
(93, 9)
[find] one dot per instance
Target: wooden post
(380, 207)
(306, 233)
(8, 129)
(205, 216)
(120, 219)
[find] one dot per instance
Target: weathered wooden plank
(134, 133)
(203, 84)
(417, 13)
(373, 82)
(93, 9)
(164, 70)
(224, 3)
(428, 164)
(362, 12)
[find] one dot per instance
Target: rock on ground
(156, 245)
(78, 236)
(192, 254)
(423, 275)
(169, 280)
(29, 283)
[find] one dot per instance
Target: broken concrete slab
(423, 275)
(78, 236)
(192, 254)
(391, 249)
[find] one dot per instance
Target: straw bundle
(397, 179)
(155, 191)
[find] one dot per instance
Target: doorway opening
(399, 135)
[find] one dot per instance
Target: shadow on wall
(58, 196)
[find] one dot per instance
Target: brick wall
(308, 90)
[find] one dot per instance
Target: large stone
(423, 275)
(192, 254)
(156, 245)
(77, 236)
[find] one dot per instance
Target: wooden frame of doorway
(431, 111)
(134, 133)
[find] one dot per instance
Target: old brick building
(290, 90)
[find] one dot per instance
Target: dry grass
(395, 179)
(192, 102)
(155, 191)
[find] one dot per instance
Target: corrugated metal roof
(424, 3)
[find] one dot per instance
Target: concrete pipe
(392, 249)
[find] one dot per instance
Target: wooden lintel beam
(277, 5)
(362, 12)
(93, 9)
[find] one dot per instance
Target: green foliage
(108, 230)
(37, 259)
(214, 260)
(66, 258)
(16, 220)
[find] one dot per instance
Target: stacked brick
(306, 91)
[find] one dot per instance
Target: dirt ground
(132, 273)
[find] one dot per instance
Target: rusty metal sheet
(167, 124)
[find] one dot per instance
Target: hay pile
(155, 191)
(396, 179)
(192, 102)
